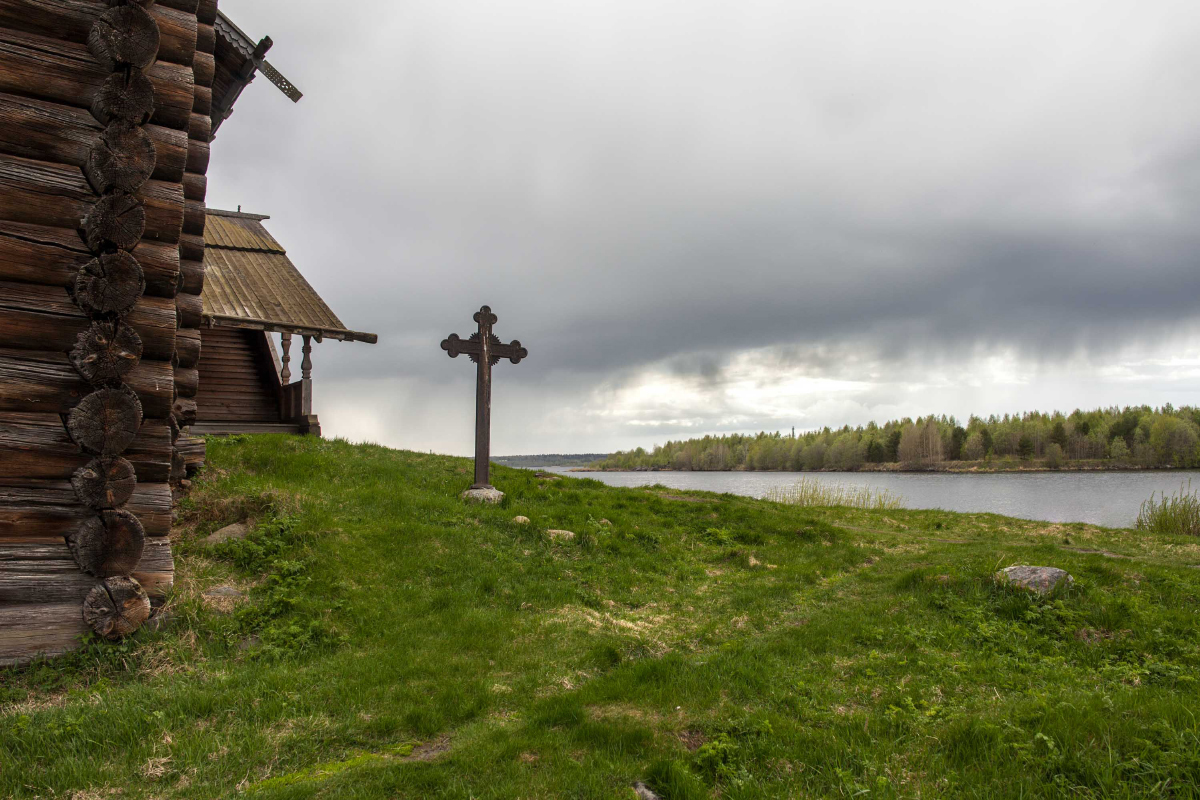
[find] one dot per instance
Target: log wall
(103, 150)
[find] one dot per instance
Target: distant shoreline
(953, 467)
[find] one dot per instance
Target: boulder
(1042, 580)
(520, 520)
(222, 599)
(237, 530)
(643, 792)
(560, 535)
(605, 523)
(486, 495)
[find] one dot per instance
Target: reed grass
(1177, 514)
(812, 492)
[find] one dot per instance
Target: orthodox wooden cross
(486, 350)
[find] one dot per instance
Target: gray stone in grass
(487, 495)
(158, 620)
(1042, 580)
(237, 530)
(520, 520)
(644, 792)
(557, 534)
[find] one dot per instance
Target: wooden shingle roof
(249, 282)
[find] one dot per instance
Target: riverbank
(973, 467)
(374, 637)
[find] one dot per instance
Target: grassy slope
(407, 645)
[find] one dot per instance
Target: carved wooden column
(308, 421)
(285, 374)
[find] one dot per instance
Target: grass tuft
(812, 492)
(1177, 515)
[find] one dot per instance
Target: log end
(116, 607)
(106, 421)
(108, 545)
(124, 36)
(122, 159)
(117, 219)
(106, 351)
(104, 483)
(124, 98)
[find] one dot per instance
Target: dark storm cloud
(675, 183)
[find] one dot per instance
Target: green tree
(1058, 434)
(893, 444)
(958, 438)
(972, 449)
(1025, 447)
(1173, 441)
(986, 440)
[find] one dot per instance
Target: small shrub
(1054, 456)
(1177, 514)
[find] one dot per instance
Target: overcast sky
(705, 217)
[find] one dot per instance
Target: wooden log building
(107, 109)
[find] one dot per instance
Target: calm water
(1100, 498)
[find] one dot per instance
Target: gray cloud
(659, 187)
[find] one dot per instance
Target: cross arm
(513, 351)
(455, 346)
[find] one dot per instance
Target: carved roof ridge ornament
(485, 349)
(255, 61)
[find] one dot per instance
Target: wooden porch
(252, 290)
(245, 387)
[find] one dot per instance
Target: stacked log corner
(98, 180)
(188, 453)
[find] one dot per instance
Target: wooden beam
(56, 195)
(37, 446)
(31, 510)
(43, 571)
(64, 72)
(72, 21)
(45, 382)
(48, 131)
(52, 256)
(45, 318)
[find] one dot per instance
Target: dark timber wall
(103, 150)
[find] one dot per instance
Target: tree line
(1138, 436)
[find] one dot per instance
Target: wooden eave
(250, 283)
(247, 323)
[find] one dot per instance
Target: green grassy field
(396, 643)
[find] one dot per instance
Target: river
(1101, 498)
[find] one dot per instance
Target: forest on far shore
(1138, 436)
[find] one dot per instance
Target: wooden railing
(295, 399)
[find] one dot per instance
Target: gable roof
(249, 282)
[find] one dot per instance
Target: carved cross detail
(486, 350)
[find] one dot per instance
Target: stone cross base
(488, 494)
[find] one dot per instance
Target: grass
(808, 492)
(1177, 515)
(396, 643)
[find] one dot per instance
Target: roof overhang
(244, 59)
(269, 326)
